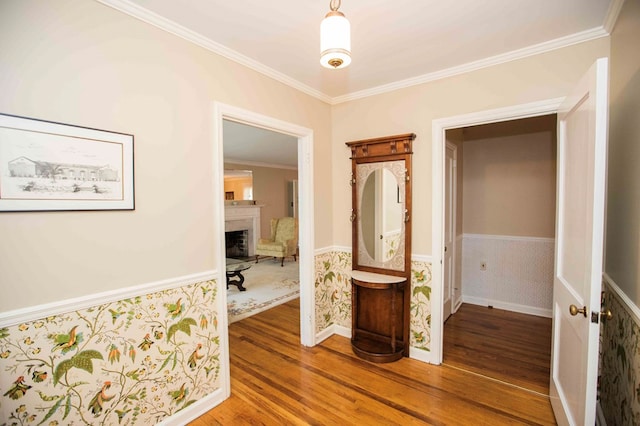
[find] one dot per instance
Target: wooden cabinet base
(380, 326)
(374, 351)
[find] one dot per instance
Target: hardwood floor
(508, 346)
(275, 381)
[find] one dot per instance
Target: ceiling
(394, 43)
(259, 147)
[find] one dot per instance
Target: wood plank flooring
(508, 346)
(276, 381)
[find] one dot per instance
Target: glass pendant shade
(335, 41)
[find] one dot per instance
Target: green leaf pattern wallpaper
(420, 333)
(619, 379)
(134, 361)
(333, 289)
(143, 359)
(333, 295)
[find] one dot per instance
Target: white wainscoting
(518, 275)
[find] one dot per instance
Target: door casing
(439, 127)
(306, 219)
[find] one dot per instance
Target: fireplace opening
(237, 243)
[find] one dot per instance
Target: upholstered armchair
(283, 241)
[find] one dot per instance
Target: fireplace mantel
(241, 217)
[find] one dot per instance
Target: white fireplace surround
(241, 217)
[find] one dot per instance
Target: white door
(449, 229)
(582, 150)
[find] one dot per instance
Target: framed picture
(47, 166)
(229, 195)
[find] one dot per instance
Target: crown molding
(536, 49)
(259, 164)
(612, 15)
(174, 28)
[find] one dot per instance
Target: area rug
(268, 284)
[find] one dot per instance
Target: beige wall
(510, 178)
(270, 191)
(545, 76)
(80, 62)
(623, 194)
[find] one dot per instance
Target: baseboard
(195, 410)
(34, 313)
(523, 309)
(421, 355)
(342, 331)
(331, 330)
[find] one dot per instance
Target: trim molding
(259, 164)
(176, 29)
(438, 129)
(329, 249)
(331, 330)
(523, 309)
(421, 355)
(33, 313)
(612, 15)
(195, 410)
(421, 258)
(632, 308)
(509, 237)
(536, 49)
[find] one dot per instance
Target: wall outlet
(483, 266)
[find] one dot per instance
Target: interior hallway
(508, 346)
(274, 380)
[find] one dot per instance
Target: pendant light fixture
(335, 38)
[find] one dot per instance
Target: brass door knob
(574, 310)
(605, 314)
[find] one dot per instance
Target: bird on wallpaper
(175, 309)
(179, 395)
(97, 402)
(67, 342)
(146, 343)
(39, 376)
(195, 356)
(18, 389)
(121, 414)
(115, 315)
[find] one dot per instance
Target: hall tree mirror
(381, 239)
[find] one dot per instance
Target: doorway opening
(487, 293)
(259, 166)
(499, 249)
(304, 147)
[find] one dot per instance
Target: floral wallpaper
(420, 332)
(333, 289)
(333, 296)
(134, 361)
(619, 381)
